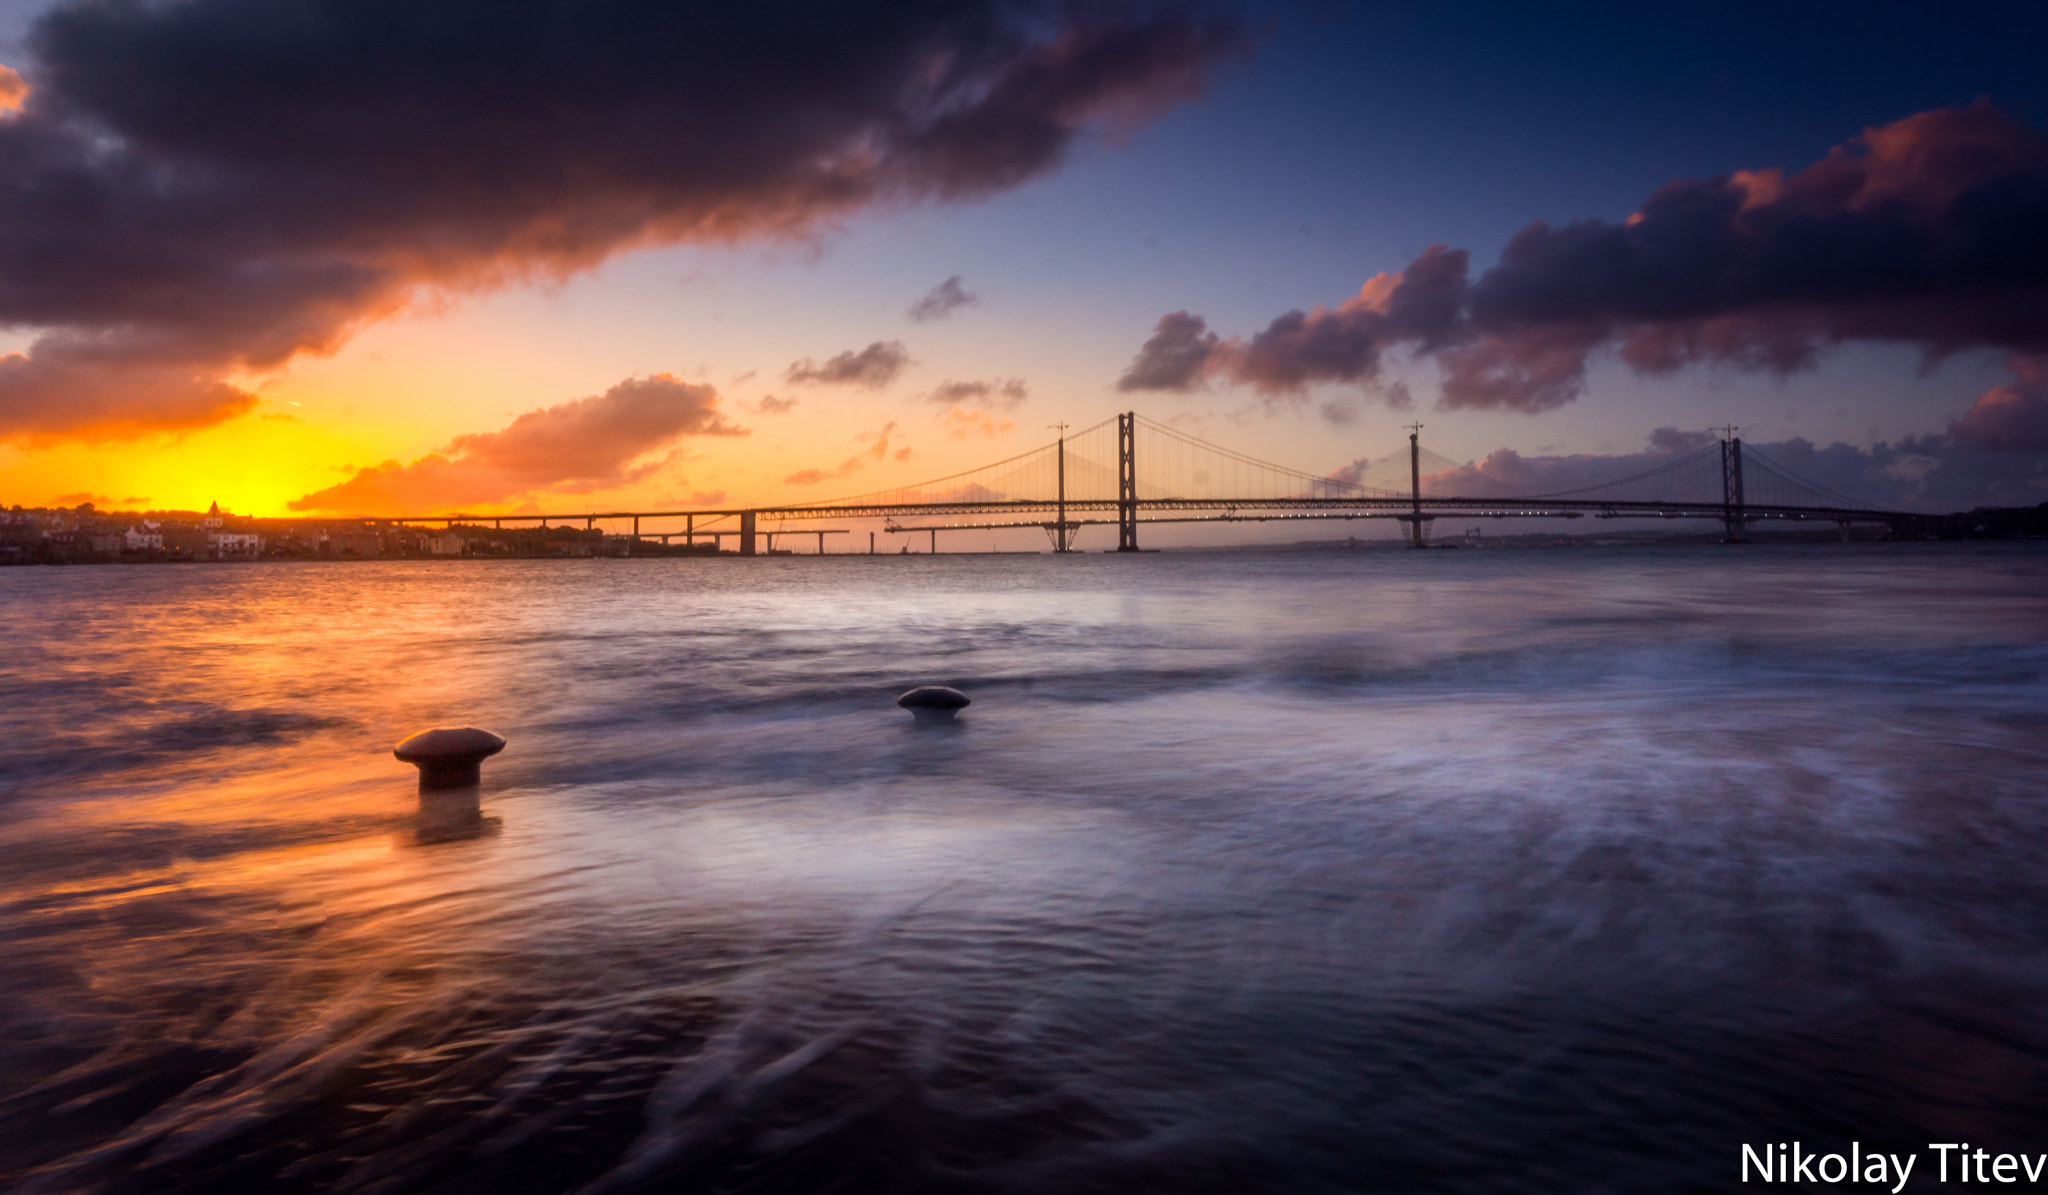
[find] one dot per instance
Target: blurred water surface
(1479, 871)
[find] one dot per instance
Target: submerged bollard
(934, 703)
(449, 758)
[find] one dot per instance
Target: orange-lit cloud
(875, 451)
(66, 388)
(593, 443)
(193, 195)
(13, 89)
(962, 424)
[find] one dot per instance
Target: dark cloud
(2012, 418)
(771, 405)
(875, 451)
(1177, 357)
(1674, 440)
(589, 444)
(191, 192)
(1003, 394)
(1420, 306)
(943, 300)
(872, 367)
(1931, 231)
(1533, 368)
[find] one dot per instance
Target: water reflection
(453, 816)
(1506, 871)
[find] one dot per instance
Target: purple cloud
(1931, 231)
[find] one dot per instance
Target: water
(1471, 871)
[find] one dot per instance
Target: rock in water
(934, 703)
(449, 758)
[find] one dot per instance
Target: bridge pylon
(1734, 523)
(1415, 486)
(1062, 534)
(1127, 482)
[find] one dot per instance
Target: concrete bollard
(934, 703)
(449, 759)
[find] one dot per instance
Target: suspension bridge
(1131, 472)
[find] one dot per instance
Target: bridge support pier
(1126, 482)
(746, 533)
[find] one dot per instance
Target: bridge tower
(1415, 485)
(1127, 482)
(1062, 537)
(747, 533)
(1735, 526)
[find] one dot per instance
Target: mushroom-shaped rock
(934, 703)
(449, 758)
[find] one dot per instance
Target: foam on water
(1469, 871)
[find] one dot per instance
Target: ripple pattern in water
(1478, 871)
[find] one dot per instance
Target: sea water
(1494, 870)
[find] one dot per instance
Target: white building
(146, 538)
(228, 545)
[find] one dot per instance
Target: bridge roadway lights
(449, 759)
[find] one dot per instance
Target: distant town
(86, 535)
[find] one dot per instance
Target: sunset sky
(398, 256)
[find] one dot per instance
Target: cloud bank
(193, 192)
(1926, 473)
(1931, 231)
(576, 447)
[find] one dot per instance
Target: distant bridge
(1129, 471)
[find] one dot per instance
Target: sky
(379, 257)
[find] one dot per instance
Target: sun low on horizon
(629, 288)
(975, 597)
